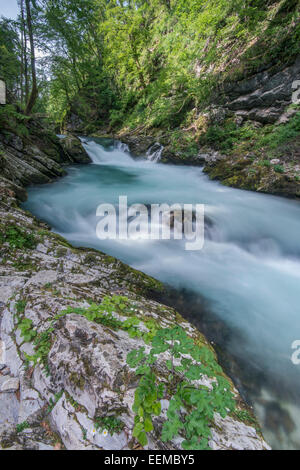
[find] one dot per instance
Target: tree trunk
(24, 59)
(26, 64)
(34, 90)
(22, 56)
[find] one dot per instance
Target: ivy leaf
(148, 425)
(194, 444)
(143, 370)
(135, 357)
(157, 408)
(171, 429)
(160, 391)
(168, 431)
(138, 429)
(142, 438)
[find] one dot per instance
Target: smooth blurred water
(248, 272)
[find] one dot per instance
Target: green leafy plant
(192, 405)
(95, 313)
(20, 306)
(22, 426)
(17, 238)
(279, 169)
(27, 331)
(84, 433)
(110, 423)
(131, 326)
(265, 163)
(42, 346)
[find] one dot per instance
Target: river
(243, 286)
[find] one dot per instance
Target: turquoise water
(248, 272)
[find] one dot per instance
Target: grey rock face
(265, 96)
(216, 114)
(40, 158)
(9, 384)
(9, 409)
(74, 148)
(210, 157)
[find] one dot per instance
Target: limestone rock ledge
(38, 156)
(86, 376)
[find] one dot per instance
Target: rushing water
(247, 275)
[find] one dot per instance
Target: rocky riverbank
(69, 318)
(278, 174)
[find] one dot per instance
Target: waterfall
(154, 152)
(122, 147)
